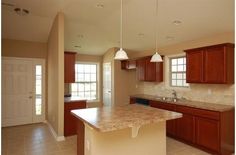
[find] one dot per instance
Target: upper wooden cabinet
(128, 64)
(149, 71)
(211, 64)
(69, 67)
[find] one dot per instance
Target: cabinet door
(185, 128)
(69, 67)
(194, 64)
(208, 133)
(214, 67)
(141, 64)
(69, 119)
(150, 74)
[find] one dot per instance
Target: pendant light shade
(156, 57)
(121, 54)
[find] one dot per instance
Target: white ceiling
(100, 27)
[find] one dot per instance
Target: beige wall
(25, 49)
(56, 75)
(215, 93)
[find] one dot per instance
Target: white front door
(22, 86)
(107, 84)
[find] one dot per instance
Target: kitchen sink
(167, 99)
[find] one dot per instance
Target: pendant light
(156, 57)
(121, 54)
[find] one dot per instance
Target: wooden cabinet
(208, 133)
(69, 120)
(211, 131)
(132, 100)
(211, 64)
(69, 67)
(128, 64)
(149, 71)
(170, 124)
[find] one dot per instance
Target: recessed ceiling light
(177, 22)
(21, 12)
(99, 5)
(141, 34)
(80, 36)
(169, 38)
(77, 46)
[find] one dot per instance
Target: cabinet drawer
(207, 114)
(185, 110)
(162, 105)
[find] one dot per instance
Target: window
(38, 90)
(86, 81)
(178, 72)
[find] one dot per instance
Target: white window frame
(170, 71)
(97, 80)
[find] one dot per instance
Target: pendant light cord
(121, 23)
(156, 22)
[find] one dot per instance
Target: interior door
(22, 93)
(107, 84)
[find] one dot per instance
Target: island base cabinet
(185, 128)
(80, 137)
(208, 134)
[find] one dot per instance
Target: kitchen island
(128, 129)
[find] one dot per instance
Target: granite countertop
(73, 99)
(194, 104)
(110, 118)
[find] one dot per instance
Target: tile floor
(36, 139)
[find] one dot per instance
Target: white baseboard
(57, 138)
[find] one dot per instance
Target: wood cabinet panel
(149, 71)
(206, 113)
(194, 64)
(128, 64)
(208, 133)
(132, 100)
(70, 120)
(141, 68)
(211, 64)
(69, 67)
(185, 128)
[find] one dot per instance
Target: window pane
(80, 77)
(87, 77)
(93, 68)
(87, 68)
(173, 82)
(87, 87)
(93, 87)
(184, 60)
(185, 68)
(180, 61)
(179, 76)
(87, 95)
(80, 68)
(74, 87)
(180, 68)
(93, 77)
(174, 61)
(173, 75)
(81, 87)
(179, 83)
(174, 68)
(38, 70)
(184, 75)
(93, 95)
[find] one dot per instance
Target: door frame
(36, 61)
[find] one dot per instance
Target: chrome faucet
(174, 94)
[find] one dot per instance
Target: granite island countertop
(111, 118)
(194, 104)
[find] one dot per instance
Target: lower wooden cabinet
(211, 131)
(208, 133)
(70, 121)
(185, 128)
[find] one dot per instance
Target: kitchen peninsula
(128, 129)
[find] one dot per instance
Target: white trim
(57, 138)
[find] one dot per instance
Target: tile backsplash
(212, 93)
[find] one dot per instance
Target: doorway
(23, 91)
(107, 92)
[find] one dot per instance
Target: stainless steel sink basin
(167, 99)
